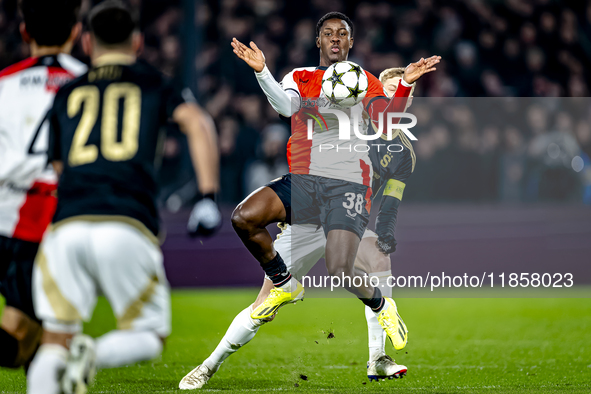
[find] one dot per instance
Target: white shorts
(369, 234)
(301, 246)
(85, 256)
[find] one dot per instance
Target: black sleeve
(388, 213)
(404, 169)
(386, 220)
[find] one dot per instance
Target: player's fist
(253, 56)
(386, 245)
(416, 70)
(205, 218)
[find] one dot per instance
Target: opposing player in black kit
(105, 128)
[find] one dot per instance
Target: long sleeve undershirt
(285, 102)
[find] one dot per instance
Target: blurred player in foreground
(104, 140)
(300, 252)
(27, 183)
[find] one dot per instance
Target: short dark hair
(334, 15)
(112, 22)
(50, 22)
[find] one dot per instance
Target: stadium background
(482, 193)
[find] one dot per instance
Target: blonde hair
(395, 72)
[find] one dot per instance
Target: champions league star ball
(345, 84)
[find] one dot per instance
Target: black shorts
(332, 203)
(16, 272)
(282, 187)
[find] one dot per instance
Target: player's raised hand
(253, 56)
(416, 70)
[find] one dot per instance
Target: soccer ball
(345, 84)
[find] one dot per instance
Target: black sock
(277, 271)
(9, 346)
(376, 302)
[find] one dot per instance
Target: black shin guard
(9, 346)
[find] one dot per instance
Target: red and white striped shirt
(27, 183)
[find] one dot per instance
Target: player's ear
(76, 32)
(137, 43)
(87, 46)
(351, 42)
(318, 42)
(24, 33)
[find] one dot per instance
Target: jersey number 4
(110, 148)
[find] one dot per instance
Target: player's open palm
(253, 56)
(416, 70)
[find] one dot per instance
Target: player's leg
(241, 331)
(345, 219)
(369, 259)
(64, 295)
(20, 331)
(269, 204)
(128, 266)
(19, 338)
(302, 247)
(299, 258)
(251, 217)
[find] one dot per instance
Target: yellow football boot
(289, 293)
(392, 323)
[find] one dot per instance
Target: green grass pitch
(455, 346)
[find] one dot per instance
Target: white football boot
(81, 365)
(197, 378)
(384, 368)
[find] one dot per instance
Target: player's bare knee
(243, 220)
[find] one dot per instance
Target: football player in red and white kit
(312, 174)
(27, 184)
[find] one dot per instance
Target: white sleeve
(285, 97)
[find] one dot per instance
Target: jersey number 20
(111, 149)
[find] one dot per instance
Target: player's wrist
(264, 71)
(209, 195)
(406, 84)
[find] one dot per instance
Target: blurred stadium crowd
(492, 48)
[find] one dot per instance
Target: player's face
(334, 42)
(390, 85)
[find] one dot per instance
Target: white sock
(240, 332)
(375, 332)
(121, 347)
(43, 376)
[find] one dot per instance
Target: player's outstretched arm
(281, 100)
(205, 218)
(202, 139)
(377, 109)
